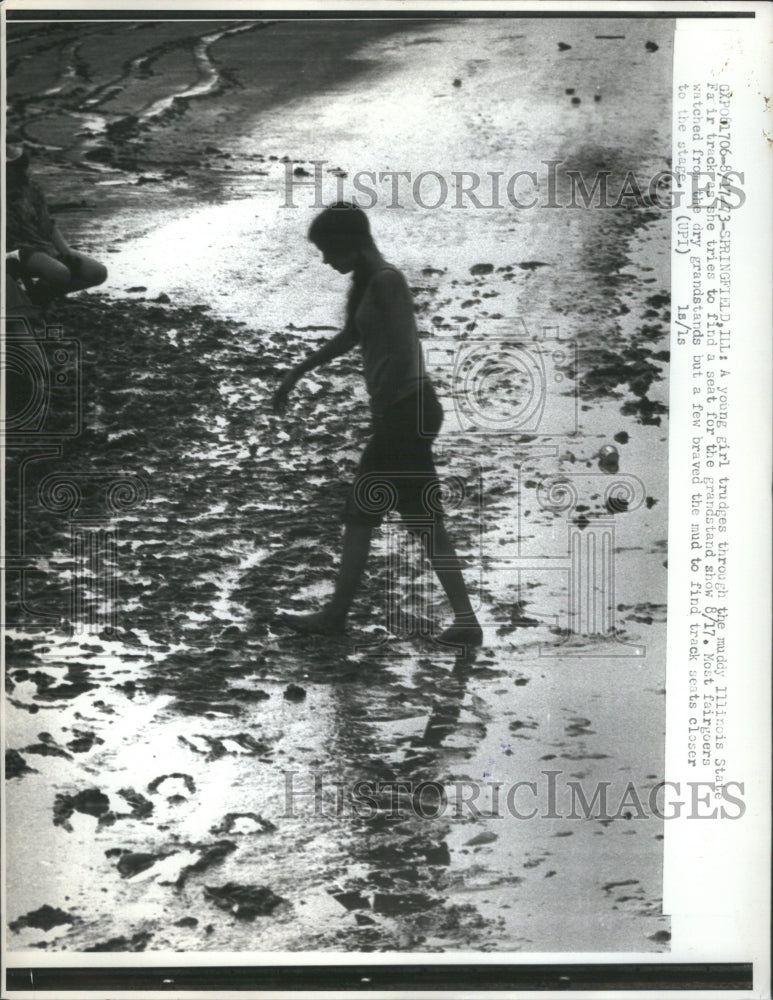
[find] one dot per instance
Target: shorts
(396, 470)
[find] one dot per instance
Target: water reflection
(393, 767)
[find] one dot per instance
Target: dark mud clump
(43, 919)
(396, 904)
(635, 368)
(76, 683)
(140, 806)
(352, 900)
(16, 766)
(137, 942)
(82, 742)
(90, 801)
(47, 747)
(487, 837)
(245, 902)
(133, 863)
(294, 692)
(19, 652)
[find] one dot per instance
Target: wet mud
(184, 780)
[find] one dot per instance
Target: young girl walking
(406, 417)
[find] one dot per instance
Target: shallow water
(184, 719)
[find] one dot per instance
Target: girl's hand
(279, 399)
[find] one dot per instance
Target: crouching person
(49, 267)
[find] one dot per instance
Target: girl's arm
(333, 348)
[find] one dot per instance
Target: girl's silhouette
(406, 417)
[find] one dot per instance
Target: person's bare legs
(465, 630)
(88, 272)
(53, 278)
(354, 558)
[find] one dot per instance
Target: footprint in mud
(173, 786)
(243, 822)
(216, 747)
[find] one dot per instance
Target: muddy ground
(161, 774)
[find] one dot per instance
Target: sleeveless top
(389, 340)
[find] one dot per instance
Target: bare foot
(464, 633)
(320, 623)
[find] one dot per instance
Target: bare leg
(354, 558)
(88, 273)
(465, 629)
(53, 278)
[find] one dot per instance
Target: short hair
(341, 228)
